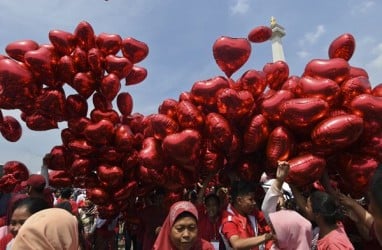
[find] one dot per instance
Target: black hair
(325, 205)
(65, 205)
(185, 214)
(241, 188)
(212, 196)
(66, 193)
(376, 187)
(32, 204)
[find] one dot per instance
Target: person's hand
(346, 200)
(282, 170)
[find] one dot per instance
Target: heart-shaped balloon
(109, 154)
(291, 83)
(377, 90)
(356, 71)
(109, 44)
(342, 47)
(203, 92)
(66, 69)
(40, 62)
(81, 167)
(78, 125)
(118, 65)
(17, 49)
(51, 103)
(97, 115)
(124, 138)
(100, 133)
(84, 84)
(151, 155)
(8, 183)
(67, 136)
(112, 175)
(84, 36)
(10, 129)
(80, 59)
(169, 108)
(134, 50)
(367, 106)
(60, 179)
(234, 105)
(63, 41)
(125, 192)
(276, 74)
(98, 195)
(336, 69)
(57, 158)
(162, 126)
(40, 122)
(101, 103)
(231, 53)
(125, 103)
(76, 106)
(270, 105)
(220, 132)
(183, 148)
(253, 81)
(280, 146)
(260, 34)
(354, 87)
(80, 147)
(136, 75)
(256, 134)
(110, 86)
(17, 169)
(189, 116)
(14, 74)
(95, 61)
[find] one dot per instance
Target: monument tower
(278, 32)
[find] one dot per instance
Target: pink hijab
(292, 230)
(163, 241)
(52, 228)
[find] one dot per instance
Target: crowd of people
(208, 218)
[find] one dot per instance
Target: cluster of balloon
(32, 79)
(327, 118)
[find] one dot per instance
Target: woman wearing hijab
(180, 230)
(50, 229)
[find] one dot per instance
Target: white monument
(277, 48)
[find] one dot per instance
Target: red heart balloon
(303, 112)
(80, 59)
(183, 148)
(84, 84)
(40, 62)
(67, 136)
(51, 103)
(17, 49)
(305, 169)
(220, 132)
(323, 88)
(276, 74)
(189, 116)
(98, 195)
(168, 108)
(203, 92)
(81, 167)
(367, 106)
(63, 41)
(39, 122)
(124, 138)
(291, 83)
(112, 175)
(355, 71)
(337, 132)
(78, 125)
(260, 34)
(60, 179)
(354, 87)
(118, 65)
(76, 106)
(336, 69)
(280, 146)
(110, 86)
(111, 115)
(234, 105)
(66, 69)
(271, 103)
(14, 74)
(125, 192)
(162, 126)
(125, 103)
(80, 147)
(101, 103)
(136, 75)
(134, 50)
(10, 129)
(151, 155)
(84, 36)
(231, 53)
(256, 134)
(109, 154)
(57, 158)
(109, 44)
(8, 183)
(95, 61)
(17, 169)
(253, 81)
(377, 90)
(100, 133)
(342, 47)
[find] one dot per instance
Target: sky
(180, 35)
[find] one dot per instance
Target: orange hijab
(163, 241)
(52, 228)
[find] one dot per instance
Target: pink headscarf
(52, 228)
(163, 241)
(292, 230)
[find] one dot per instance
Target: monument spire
(277, 33)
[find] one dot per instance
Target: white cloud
(240, 7)
(362, 7)
(303, 54)
(312, 37)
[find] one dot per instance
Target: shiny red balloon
(323, 88)
(66, 69)
(355, 71)
(203, 92)
(110, 86)
(134, 50)
(233, 104)
(338, 132)
(84, 36)
(40, 61)
(80, 59)
(17, 169)
(10, 129)
(136, 75)
(305, 169)
(256, 134)
(270, 105)
(101, 103)
(118, 65)
(303, 112)
(125, 192)
(111, 175)
(367, 106)
(336, 69)
(40, 122)
(124, 138)
(77, 125)
(57, 158)
(76, 106)
(183, 148)
(17, 49)
(84, 84)
(100, 133)
(189, 116)
(354, 87)
(377, 90)
(276, 74)
(51, 102)
(342, 47)
(109, 44)
(253, 81)
(280, 146)
(151, 155)
(80, 167)
(125, 103)
(80, 146)
(63, 41)
(231, 53)
(291, 83)
(219, 131)
(162, 125)
(60, 179)
(260, 34)
(95, 61)
(98, 195)
(168, 108)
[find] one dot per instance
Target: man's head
(35, 182)
(212, 204)
(375, 206)
(243, 197)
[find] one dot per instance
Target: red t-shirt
(208, 230)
